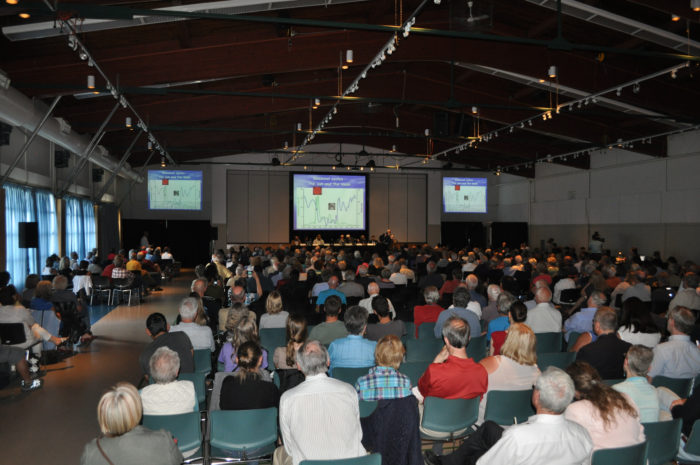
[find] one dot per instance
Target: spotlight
(675, 18)
(348, 56)
(695, 5)
(286, 145)
(91, 81)
(552, 72)
(475, 110)
(162, 161)
(427, 132)
(673, 74)
(619, 91)
(298, 126)
(333, 167)
(127, 122)
(275, 161)
(371, 165)
(12, 2)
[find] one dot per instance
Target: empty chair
(680, 386)
(422, 349)
(100, 286)
(692, 445)
(631, 455)
(555, 359)
(414, 370)
(186, 428)
(245, 434)
(372, 459)
(121, 287)
(202, 361)
(662, 437)
(476, 348)
(426, 331)
(349, 375)
(448, 419)
(548, 342)
(509, 407)
(272, 338)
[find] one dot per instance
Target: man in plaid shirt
(384, 380)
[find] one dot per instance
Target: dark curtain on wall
(109, 229)
(513, 233)
(188, 240)
(458, 235)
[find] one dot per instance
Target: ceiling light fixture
(475, 110)
(675, 18)
(695, 5)
(552, 72)
(162, 161)
(635, 88)
(12, 2)
(91, 81)
(371, 165)
(286, 145)
(127, 122)
(348, 56)
(275, 161)
(298, 126)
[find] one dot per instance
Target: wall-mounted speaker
(28, 235)
(97, 174)
(441, 124)
(61, 159)
(5, 130)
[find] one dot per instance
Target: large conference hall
(267, 140)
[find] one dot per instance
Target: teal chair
(372, 459)
(631, 455)
(680, 386)
(692, 445)
(272, 338)
(414, 370)
(555, 359)
(349, 375)
(367, 408)
(612, 382)
(220, 367)
(426, 331)
(509, 407)
(199, 381)
(186, 428)
(410, 331)
(202, 361)
(573, 336)
(452, 418)
(476, 348)
(549, 342)
(421, 350)
(663, 438)
(242, 434)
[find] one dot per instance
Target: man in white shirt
(679, 357)
(320, 418)
(546, 438)
(544, 318)
(373, 291)
(167, 396)
(200, 336)
(688, 296)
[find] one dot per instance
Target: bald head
(333, 282)
(543, 295)
(199, 286)
(372, 288)
(237, 294)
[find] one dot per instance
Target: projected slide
(328, 202)
(464, 195)
(174, 190)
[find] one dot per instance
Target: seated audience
(30, 284)
(332, 328)
(636, 386)
(502, 321)
(516, 368)
(460, 300)
(167, 396)
(544, 318)
(384, 380)
(14, 356)
(285, 357)
(157, 328)
(679, 357)
(429, 312)
(637, 324)
(200, 336)
(687, 297)
(607, 353)
(123, 440)
(517, 313)
(275, 316)
(490, 311)
(385, 326)
(72, 312)
(582, 321)
(245, 330)
(610, 417)
(320, 418)
(246, 388)
(373, 293)
(353, 351)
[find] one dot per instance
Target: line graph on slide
(329, 209)
(464, 195)
(175, 191)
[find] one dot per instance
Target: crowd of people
(627, 320)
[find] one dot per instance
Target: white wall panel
(378, 204)
(259, 207)
(237, 206)
(398, 205)
(416, 209)
(279, 207)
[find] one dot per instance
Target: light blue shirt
(468, 315)
(643, 395)
(499, 324)
(352, 351)
(323, 295)
(580, 322)
(677, 358)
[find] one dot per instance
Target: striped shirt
(383, 383)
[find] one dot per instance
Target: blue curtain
(46, 219)
(88, 227)
(19, 207)
(74, 227)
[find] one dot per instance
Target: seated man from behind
(167, 396)
(332, 328)
(157, 328)
(353, 351)
(320, 418)
(679, 357)
(544, 318)
(200, 336)
(333, 283)
(429, 312)
(636, 386)
(460, 300)
(546, 438)
(607, 353)
(380, 306)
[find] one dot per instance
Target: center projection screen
(464, 195)
(329, 202)
(174, 190)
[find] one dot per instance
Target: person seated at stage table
(332, 328)
(318, 241)
(333, 283)
(429, 312)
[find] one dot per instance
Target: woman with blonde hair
(515, 368)
(123, 441)
(276, 316)
(609, 416)
(246, 330)
(384, 380)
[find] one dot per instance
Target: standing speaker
(28, 235)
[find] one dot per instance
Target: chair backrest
(414, 370)
(184, 427)
(426, 331)
(612, 382)
(100, 282)
(242, 430)
(367, 407)
(509, 407)
(198, 379)
(692, 445)
(681, 386)
(410, 331)
(631, 455)
(422, 349)
(549, 342)
(569, 296)
(272, 338)
(662, 437)
(12, 333)
(349, 375)
(371, 459)
(556, 359)
(449, 415)
(573, 337)
(477, 348)
(202, 361)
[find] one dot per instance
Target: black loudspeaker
(214, 234)
(61, 158)
(97, 174)
(441, 124)
(28, 235)
(5, 130)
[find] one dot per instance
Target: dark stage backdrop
(458, 235)
(513, 233)
(188, 240)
